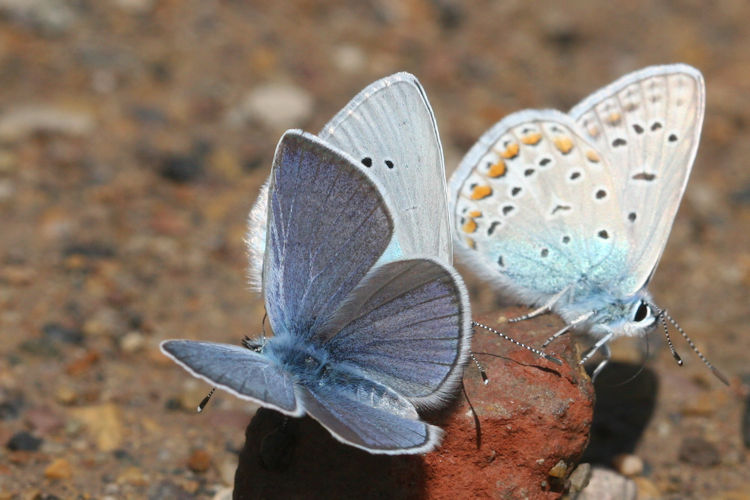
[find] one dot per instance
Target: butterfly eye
(642, 312)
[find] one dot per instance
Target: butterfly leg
(540, 310)
(567, 327)
(599, 343)
(533, 314)
(607, 356)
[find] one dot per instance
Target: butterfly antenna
(697, 351)
(539, 353)
(479, 366)
(205, 400)
(669, 339)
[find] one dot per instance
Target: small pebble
(223, 494)
(17, 124)
(59, 469)
(132, 342)
(199, 461)
(82, 364)
(647, 490)
(133, 476)
(23, 441)
(698, 451)
(628, 465)
(104, 423)
(559, 470)
(227, 470)
(580, 477)
(278, 106)
(66, 395)
(605, 483)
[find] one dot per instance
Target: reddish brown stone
(534, 417)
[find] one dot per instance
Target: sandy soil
(131, 148)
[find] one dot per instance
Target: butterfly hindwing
(408, 327)
(534, 204)
(647, 124)
(374, 418)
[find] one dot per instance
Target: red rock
(534, 419)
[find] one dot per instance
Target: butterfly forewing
(238, 370)
(327, 226)
(535, 205)
(390, 128)
(647, 124)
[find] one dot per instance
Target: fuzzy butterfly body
(571, 212)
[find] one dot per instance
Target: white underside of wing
(648, 125)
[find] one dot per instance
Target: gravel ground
(134, 135)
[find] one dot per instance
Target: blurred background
(134, 135)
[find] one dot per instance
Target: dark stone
(23, 441)
(11, 405)
(93, 250)
(698, 451)
(182, 168)
(58, 333)
(173, 404)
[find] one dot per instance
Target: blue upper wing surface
(238, 370)
(407, 326)
(328, 225)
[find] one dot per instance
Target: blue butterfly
(358, 347)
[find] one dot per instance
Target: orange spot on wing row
(511, 151)
(472, 244)
(497, 170)
(564, 144)
(532, 139)
(481, 192)
(592, 156)
(475, 213)
(614, 118)
(470, 226)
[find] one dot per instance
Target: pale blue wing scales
(648, 125)
(237, 370)
(535, 208)
(327, 226)
(255, 239)
(408, 326)
(371, 417)
(390, 128)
